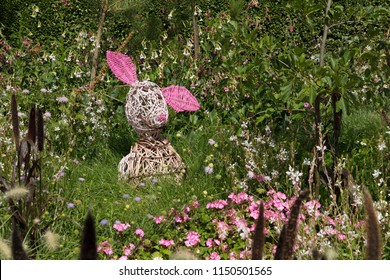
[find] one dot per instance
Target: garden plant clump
(291, 141)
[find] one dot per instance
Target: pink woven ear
(180, 99)
(122, 67)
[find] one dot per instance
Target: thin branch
(325, 33)
(98, 40)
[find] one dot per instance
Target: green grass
(102, 192)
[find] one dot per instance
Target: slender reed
(285, 246)
(15, 121)
(18, 252)
(259, 238)
(88, 248)
(374, 243)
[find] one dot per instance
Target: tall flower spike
(40, 131)
(374, 243)
(259, 238)
(292, 224)
(122, 67)
(18, 252)
(32, 132)
(88, 250)
(15, 120)
(285, 247)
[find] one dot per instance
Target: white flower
(211, 142)
(250, 174)
(186, 52)
(164, 36)
(208, 169)
(170, 15)
(294, 175)
(382, 146)
(376, 173)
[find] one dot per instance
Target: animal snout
(162, 117)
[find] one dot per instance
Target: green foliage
(257, 78)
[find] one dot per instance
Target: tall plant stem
(98, 39)
(325, 33)
(196, 37)
(318, 100)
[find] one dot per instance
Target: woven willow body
(151, 158)
(147, 112)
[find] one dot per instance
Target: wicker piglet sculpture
(147, 112)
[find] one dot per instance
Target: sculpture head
(146, 103)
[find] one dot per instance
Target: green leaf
(286, 90)
(340, 105)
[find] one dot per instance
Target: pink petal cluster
(120, 227)
(217, 204)
(106, 247)
(166, 243)
(159, 219)
(222, 229)
(128, 250)
(214, 256)
(239, 198)
(139, 232)
(193, 238)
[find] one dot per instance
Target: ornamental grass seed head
(17, 192)
(51, 240)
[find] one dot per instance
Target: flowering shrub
(223, 229)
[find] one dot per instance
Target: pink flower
(222, 229)
(106, 247)
(281, 195)
(232, 256)
(341, 236)
(139, 232)
(209, 242)
(214, 256)
(278, 204)
(226, 89)
(123, 258)
(195, 204)
(127, 250)
(166, 243)
(260, 178)
(218, 204)
(62, 99)
(120, 227)
(239, 198)
(192, 239)
(181, 218)
(246, 254)
(159, 219)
